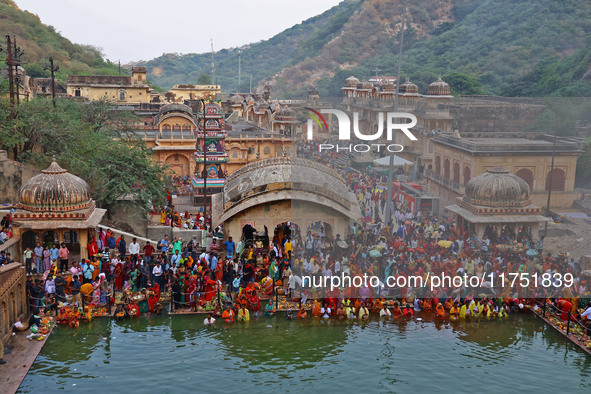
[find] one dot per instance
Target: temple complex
(459, 157)
(54, 207)
(496, 201)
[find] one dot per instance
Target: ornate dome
(351, 82)
(286, 111)
(410, 88)
(389, 87)
(261, 103)
(366, 85)
(497, 187)
(55, 190)
(237, 98)
(439, 88)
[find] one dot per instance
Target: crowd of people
(237, 275)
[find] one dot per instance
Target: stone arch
(446, 169)
(438, 165)
(467, 174)
(456, 173)
(179, 164)
(29, 239)
(558, 180)
(527, 175)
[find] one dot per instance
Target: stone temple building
(497, 198)
(56, 206)
(272, 191)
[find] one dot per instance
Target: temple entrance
(29, 239)
(322, 229)
(285, 230)
(72, 242)
(50, 238)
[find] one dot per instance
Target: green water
(179, 354)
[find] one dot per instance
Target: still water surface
(171, 354)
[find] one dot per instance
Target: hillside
(260, 59)
(39, 41)
(506, 47)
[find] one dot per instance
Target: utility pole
(376, 71)
(119, 62)
(212, 64)
(16, 63)
(205, 174)
(9, 64)
(388, 215)
(52, 69)
(239, 68)
(550, 182)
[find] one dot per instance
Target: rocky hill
(39, 41)
(507, 47)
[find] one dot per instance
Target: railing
(444, 181)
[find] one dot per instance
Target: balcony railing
(443, 181)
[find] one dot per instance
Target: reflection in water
(179, 353)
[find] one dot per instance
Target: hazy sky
(131, 30)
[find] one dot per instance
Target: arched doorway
(29, 239)
(284, 230)
(467, 174)
(446, 169)
(50, 238)
(438, 165)
(527, 175)
(558, 180)
(456, 173)
(179, 164)
(322, 229)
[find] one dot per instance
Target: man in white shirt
(385, 312)
(325, 311)
(134, 250)
(209, 320)
(157, 272)
(337, 267)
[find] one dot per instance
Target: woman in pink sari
(46, 259)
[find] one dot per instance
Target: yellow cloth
(243, 315)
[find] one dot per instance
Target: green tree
(91, 141)
(204, 79)
(461, 83)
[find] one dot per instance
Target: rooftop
(541, 143)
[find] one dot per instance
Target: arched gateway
(273, 191)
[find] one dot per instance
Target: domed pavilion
(56, 206)
(496, 198)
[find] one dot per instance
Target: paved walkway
(19, 353)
